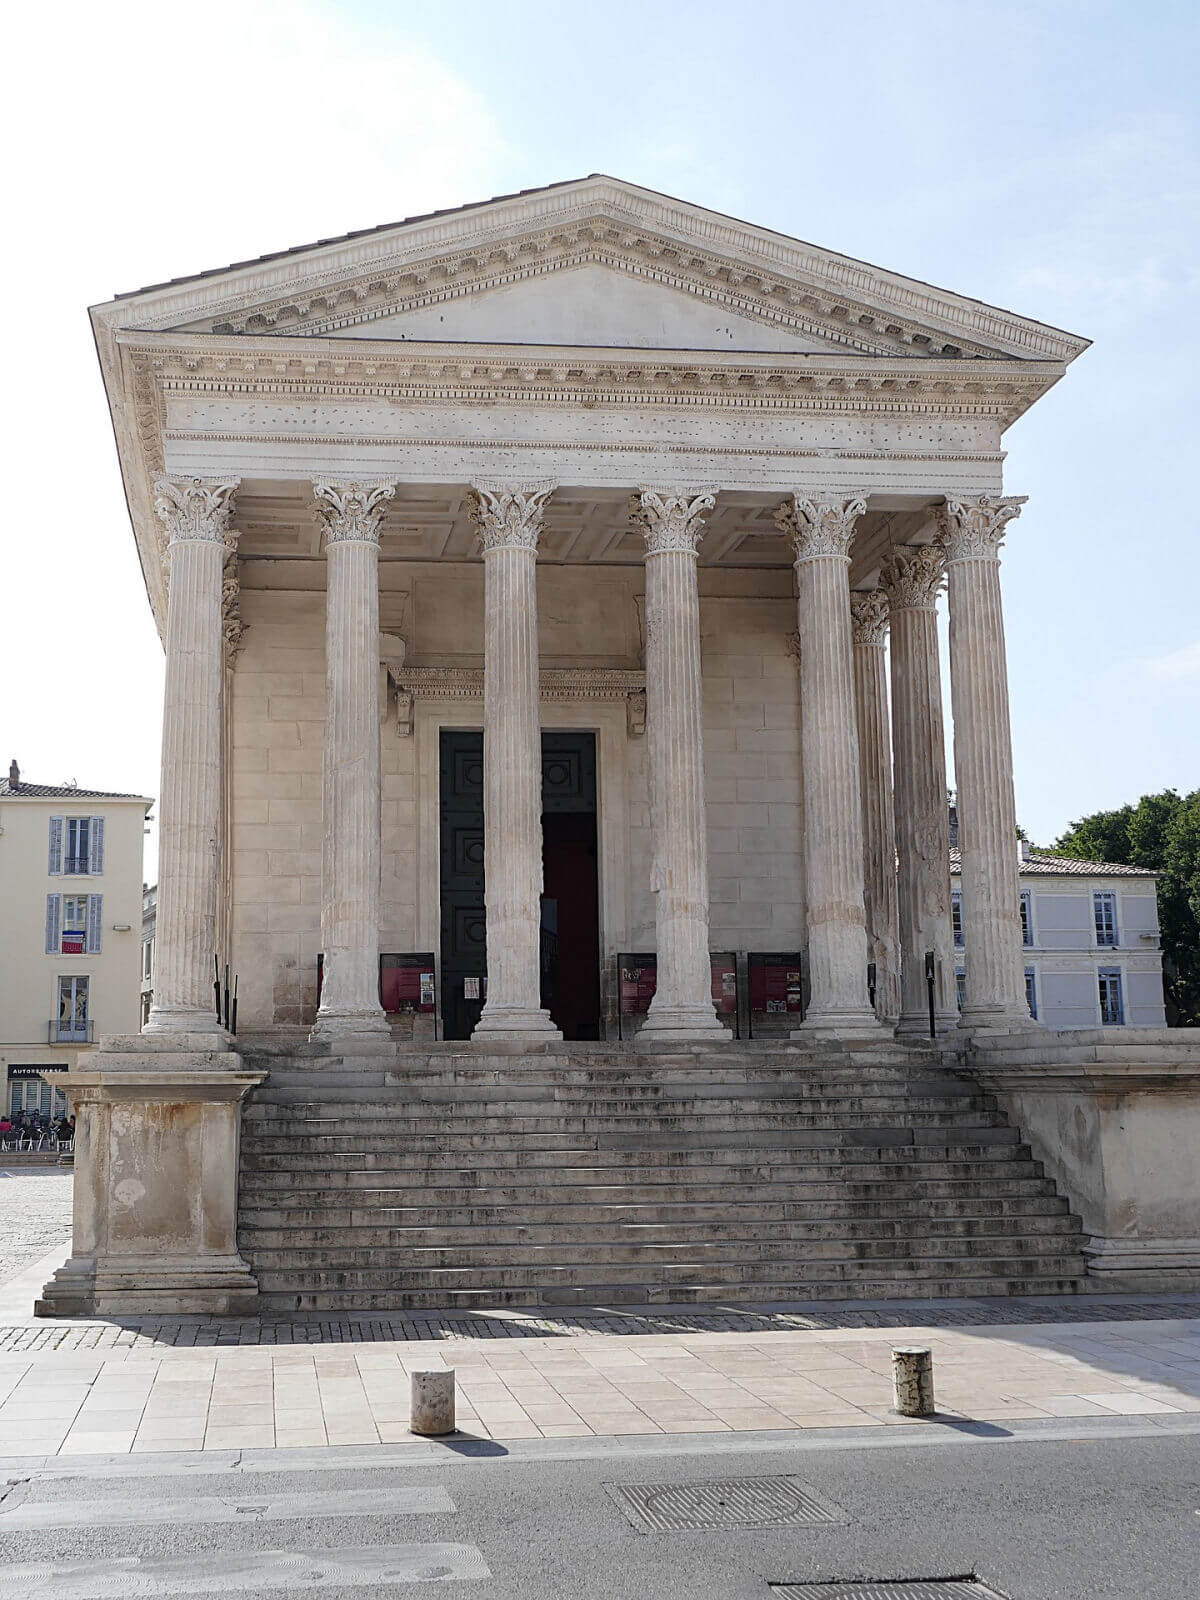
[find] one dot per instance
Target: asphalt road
(1083, 1511)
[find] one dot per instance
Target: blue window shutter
(95, 923)
(96, 845)
(53, 923)
(56, 847)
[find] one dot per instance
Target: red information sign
(776, 983)
(724, 983)
(639, 980)
(406, 982)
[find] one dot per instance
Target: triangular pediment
(592, 305)
(597, 262)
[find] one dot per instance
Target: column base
(351, 1023)
(852, 1023)
(669, 1026)
(134, 1286)
(996, 1019)
(165, 1021)
(514, 1026)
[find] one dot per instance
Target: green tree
(1161, 832)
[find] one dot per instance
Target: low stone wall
(1115, 1119)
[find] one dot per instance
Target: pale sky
(1040, 156)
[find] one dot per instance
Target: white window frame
(1031, 999)
(92, 922)
(1113, 975)
(72, 1034)
(960, 987)
(1109, 898)
(956, 918)
(1027, 918)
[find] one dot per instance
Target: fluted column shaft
(912, 578)
(821, 531)
(351, 853)
(195, 513)
(510, 523)
(869, 619)
(682, 1008)
(972, 532)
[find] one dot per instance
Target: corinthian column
(350, 516)
(195, 513)
(682, 1009)
(912, 578)
(869, 624)
(972, 531)
(509, 523)
(821, 530)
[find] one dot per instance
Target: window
(72, 1009)
(1026, 917)
(1112, 1010)
(1105, 905)
(1031, 992)
(74, 924)
(147, 951)
(960, 988)
(956, 916)
(76, 846)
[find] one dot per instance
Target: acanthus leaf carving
(194, 508)
(869, 616)
(973, 530)
(913, 576)
(671, 520)
(350, 511)
(821, 524)
(509, 518)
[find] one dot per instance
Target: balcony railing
(75, 866)
(68, 1032)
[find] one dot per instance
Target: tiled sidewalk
(143, 1397)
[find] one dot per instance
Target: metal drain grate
(726, 1503)
(895, 1589)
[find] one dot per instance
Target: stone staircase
(445, 1179)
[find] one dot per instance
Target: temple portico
(553, 712)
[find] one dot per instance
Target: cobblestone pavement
(35, 1214)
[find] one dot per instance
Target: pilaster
(971, 534)
(672, 524)
(912, 578)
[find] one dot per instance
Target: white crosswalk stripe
(130, 1577)
(246, 1508)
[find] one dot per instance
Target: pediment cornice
(744, 270)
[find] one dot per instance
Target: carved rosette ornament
(671, 521)
(351, 511)
(913, 576)
(869, 616)
(820, 526)
(509, 519)
(973, 530)
(194, 508)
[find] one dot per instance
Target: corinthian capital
(869, 616)
(195, 508)
(821, 526)
(351, 510)
(913, 575)
(509, 519)
(973, 530)
(671, 521)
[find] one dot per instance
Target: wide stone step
(515, 1117)
(764, 1162)
(747, 1278)
(614, 1239)
(579, 1208)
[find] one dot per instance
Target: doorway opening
(571, 895)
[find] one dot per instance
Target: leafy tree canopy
(1162, 832)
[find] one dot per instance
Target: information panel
(406, 983)
(638, 974)
(776, 990)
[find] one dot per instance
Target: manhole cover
(727, 1503)
(893, 1589)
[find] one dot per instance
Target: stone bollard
(912, 1381)
(431, 1408)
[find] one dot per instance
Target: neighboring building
(149, 917)
(1091, 941)
(70, 882)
